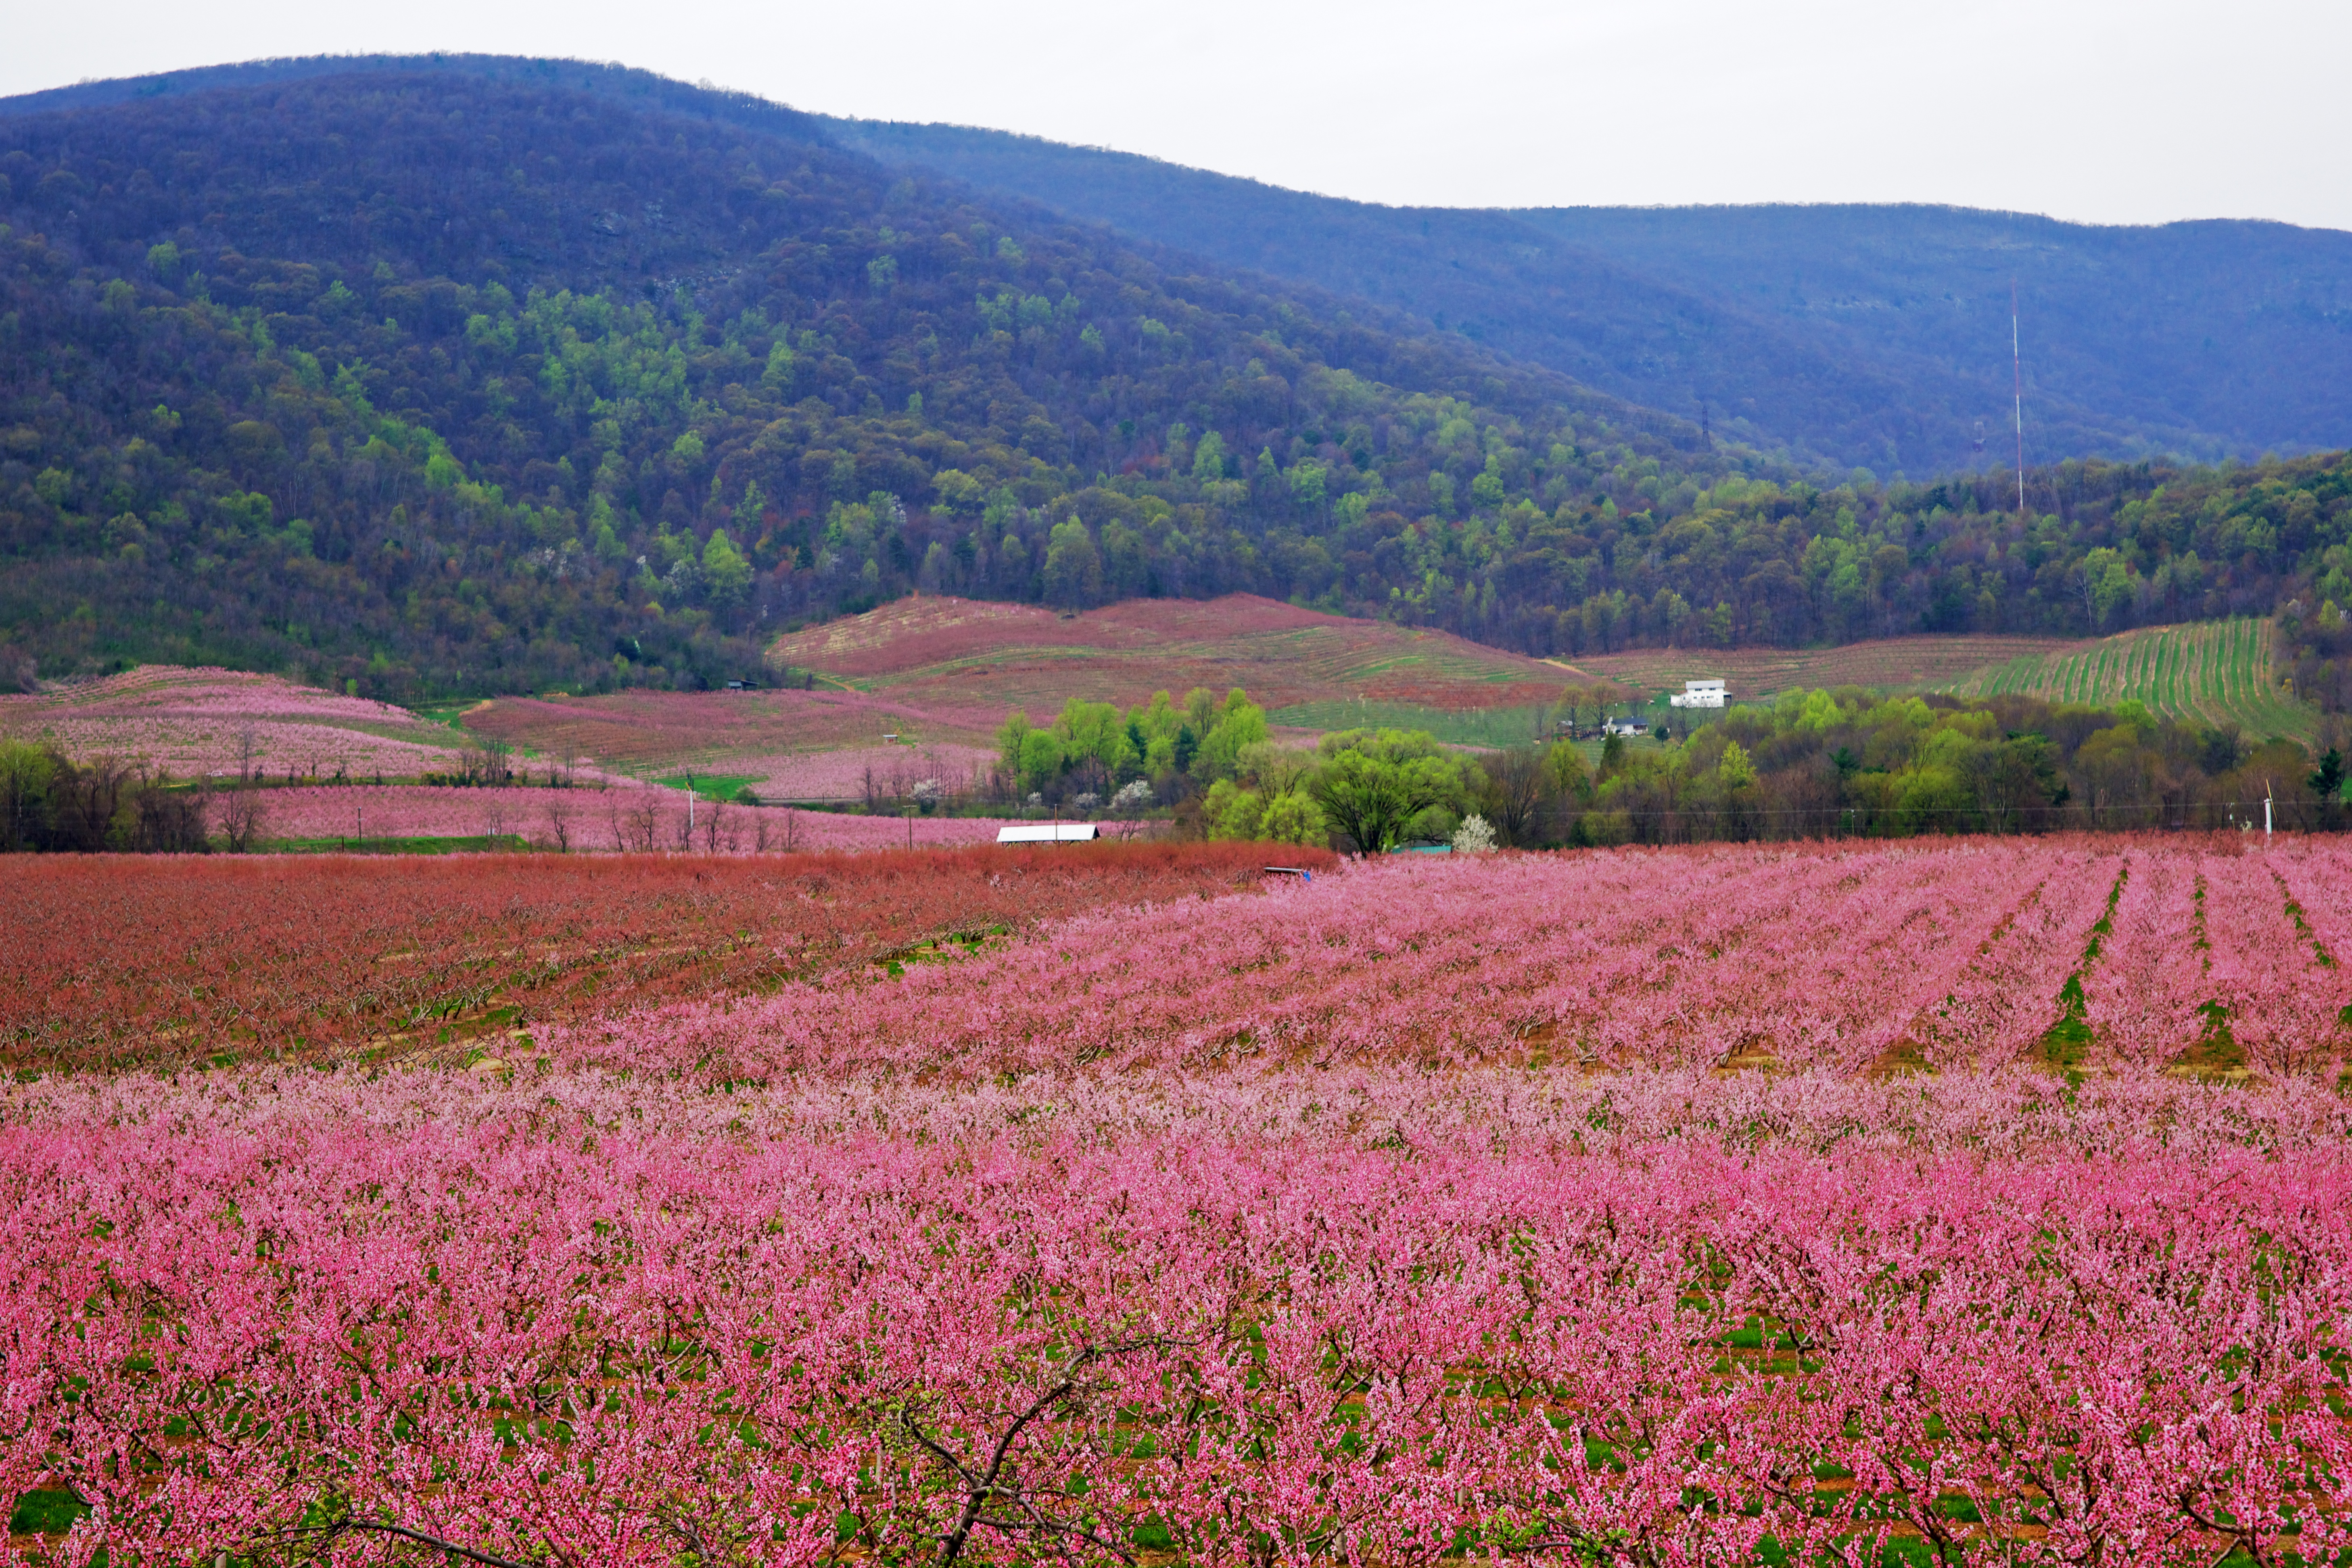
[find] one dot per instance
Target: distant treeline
(1849, 763)
(424, 384)
(1843, 763)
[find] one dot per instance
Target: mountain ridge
(1684, 338)
(628, 83)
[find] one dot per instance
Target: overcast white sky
(2099, 110)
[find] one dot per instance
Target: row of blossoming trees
(2108, 951)
(560, 1324)
(1250, 1230)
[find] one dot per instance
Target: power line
(1719, 811)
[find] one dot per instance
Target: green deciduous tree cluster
(2316, 649)
(49, 802)
(1216, 762)
(1091, 750)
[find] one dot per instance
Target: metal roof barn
(1048, 833)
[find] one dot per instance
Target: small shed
(1049, 832)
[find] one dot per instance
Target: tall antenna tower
(2017, 370)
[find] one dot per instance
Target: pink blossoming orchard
(630, 818)
(1952, 1202)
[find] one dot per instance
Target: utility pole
(2017, 373)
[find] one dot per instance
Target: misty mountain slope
(2242, 329)
(1862, 335)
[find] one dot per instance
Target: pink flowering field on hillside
(626, 817)
(1966, 1201)
(725, 731)
(795, 745)
(841, 774)
(195, 721)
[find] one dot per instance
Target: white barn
(1701, 694)
(1048, 833)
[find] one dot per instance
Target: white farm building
(1700, 694)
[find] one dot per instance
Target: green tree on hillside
(1073, 565)
(2327, 783)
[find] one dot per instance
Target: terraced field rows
(2209, 672)
(1897, 664)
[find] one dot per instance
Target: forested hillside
(1870, 335)
(441, 381)
(479, 380)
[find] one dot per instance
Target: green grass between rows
(478, 843)
(1494, 727)
(710, 786)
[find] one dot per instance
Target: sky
(2092, 111)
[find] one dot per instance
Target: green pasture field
(449, 714)
(477, 844)
(1488, 727)
(710, 786)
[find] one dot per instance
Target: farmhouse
(1627, 726)
(1048, 833)
(1700, 694)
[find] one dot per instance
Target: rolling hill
(922, 682)
(795, 745)
(199, 723)
(951, 653)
